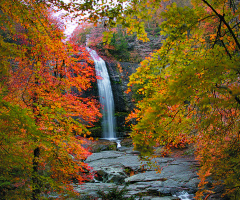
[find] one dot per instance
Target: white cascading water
(105, 95)
(184, 196)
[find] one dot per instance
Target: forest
(187, 92)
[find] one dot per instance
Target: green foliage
(154, 31)
(120, 46)
(121, 114)
(17, 132)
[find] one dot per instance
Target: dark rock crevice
(119, 73)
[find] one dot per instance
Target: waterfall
(105, 95)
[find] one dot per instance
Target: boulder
(124, 168)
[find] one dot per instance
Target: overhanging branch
(221, 17)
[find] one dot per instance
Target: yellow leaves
(128, 91)
(107, 36)
(199, 75)
(50, 128)
(202, 40)
(190, 81)
(212, 36)
(56, 105)
(133, 114)
(141, 90)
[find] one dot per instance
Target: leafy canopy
(40, 112)
(189, 90)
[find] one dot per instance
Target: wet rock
(111, 175)
(115, 158)
(124, 168)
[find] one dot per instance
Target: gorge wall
(119, 72)
(119, 75)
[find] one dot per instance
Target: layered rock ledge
(123, 168)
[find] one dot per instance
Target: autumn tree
(17, 127)
(189, 90)
(40, 153)
(81, 33)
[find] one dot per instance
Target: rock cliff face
(143, 49)
(119, 75)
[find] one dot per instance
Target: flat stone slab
(91, 189)
(104, 155)
(177, 175)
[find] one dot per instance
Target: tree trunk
(35, 178)
(36, 152)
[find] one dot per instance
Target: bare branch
(221, 17)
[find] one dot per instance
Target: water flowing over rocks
(123, 168)
(105, 95)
